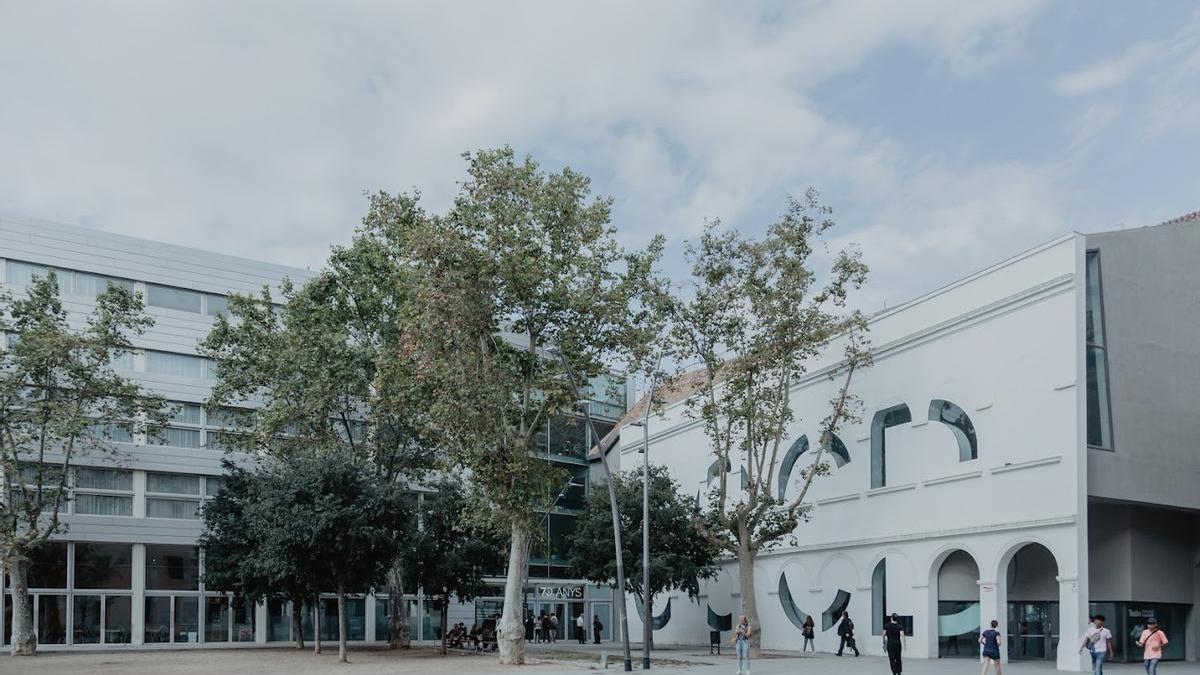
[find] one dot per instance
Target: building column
(262, 620)
(1072, 616)
(928, 628)
(993, 605)
(369, 617)
(137, 619)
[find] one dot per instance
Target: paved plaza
(543, 661)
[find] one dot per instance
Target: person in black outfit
(893, 643)
(596, 628)
(845, 631)
(528, 625)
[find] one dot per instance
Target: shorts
(995, 656)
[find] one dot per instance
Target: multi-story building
(1029, 452)
(128, 571)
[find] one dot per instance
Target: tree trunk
(24, 640)
(342, 652)
(398, 628)
(511, 637)
(445, 619)
(317, 625)
(746, 557)
(298, 621)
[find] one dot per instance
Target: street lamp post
(585, 405)
(647, 627)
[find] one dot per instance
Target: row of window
(109, 492)
(157, 362)
(92, 619)
(82, 595)
(87, 285)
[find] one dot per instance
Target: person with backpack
(597, 627)
(845, 631)
(808, 630)
(1152, 640)
(1098, 641)
(893, 643)
(989, 641)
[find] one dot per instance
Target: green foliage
(298, 527)
(449, 554)
(679, 557)
(757, 314)
(60, 400)
(311, 367)
(524, 263)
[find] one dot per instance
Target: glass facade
(1099, 413)
(564, 442)
(1126, 620)
(172, 568)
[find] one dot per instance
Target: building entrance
(1033, 626)
(958, 607)
(1032, 630)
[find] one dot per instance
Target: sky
(945, 135)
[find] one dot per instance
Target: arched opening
(958, 606)
(1032, 583)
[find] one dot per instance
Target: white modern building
(127, 571)
(1029, 452)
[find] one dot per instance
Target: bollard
(604, 659)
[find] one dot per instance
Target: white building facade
(962, 495)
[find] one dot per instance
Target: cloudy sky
(945, 134)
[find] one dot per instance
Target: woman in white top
(1098, 640)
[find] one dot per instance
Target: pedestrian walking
(845, 631)
(1152, 641)
(1098, 641)
(580, 629)
(741, 645)
(989, 641)
(893, 643)
(808, 630)
(597, 627)
(553, 627)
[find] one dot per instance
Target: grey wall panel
(144, 260)
(1152, 324)
(1109, 561)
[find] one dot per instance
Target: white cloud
(255, 130)
(1108, 73)
(1141, 58)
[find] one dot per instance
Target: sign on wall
(558, 592)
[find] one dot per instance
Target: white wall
(1003, 345)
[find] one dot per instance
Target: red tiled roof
(670, 391)
(1194, 215)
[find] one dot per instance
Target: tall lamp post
(585, 405)
(644, 423)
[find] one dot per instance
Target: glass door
(1032, 630)
(602, 609)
